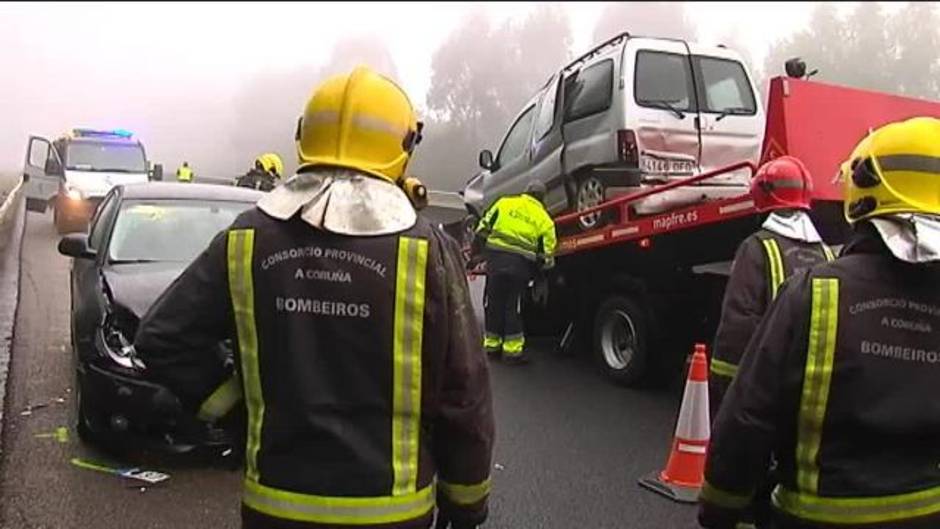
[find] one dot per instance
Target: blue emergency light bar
(92, 133)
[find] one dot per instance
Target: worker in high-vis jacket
(365, 384)
(519, 239)
(786, 243)
(184, 173)
(840, 378)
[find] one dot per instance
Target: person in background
(184, 173)
(519, 239)
(786, 243)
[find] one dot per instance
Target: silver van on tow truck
(632, 113)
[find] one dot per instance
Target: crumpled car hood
(137, 286)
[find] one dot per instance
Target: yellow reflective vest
(184, 174)
(519, 224)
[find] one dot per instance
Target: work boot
(515, 359)
(493, 354)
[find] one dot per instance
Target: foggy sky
(171, 72)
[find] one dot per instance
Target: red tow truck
(640, 290)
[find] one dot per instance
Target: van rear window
(726, 86)
(662, 77)
(591, 91)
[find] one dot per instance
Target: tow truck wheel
(620, 340)
(591, 192)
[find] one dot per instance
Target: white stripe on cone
(693, 422)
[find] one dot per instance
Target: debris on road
(497, 466)
(150, 476)
(61, 434)
(28, 410)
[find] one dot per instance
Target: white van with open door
(74, 173)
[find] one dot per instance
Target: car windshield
(106, 156)
(168, 230)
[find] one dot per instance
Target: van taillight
(626, 147)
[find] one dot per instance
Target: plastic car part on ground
(28, 410)
(61, 434)
(149, 476)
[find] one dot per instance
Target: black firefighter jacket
(360, 359)
(840, 383)
(761, 264)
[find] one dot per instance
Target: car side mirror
(156, 174)
(486, 159)
(76, 245)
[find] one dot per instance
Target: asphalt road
(570, 446)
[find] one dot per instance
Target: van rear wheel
(591, 192)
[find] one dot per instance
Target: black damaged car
(141, 238)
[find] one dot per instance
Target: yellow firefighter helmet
(895, 169)
(361, 121)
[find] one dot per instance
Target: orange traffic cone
(683, 476)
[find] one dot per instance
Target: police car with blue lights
(73, 173)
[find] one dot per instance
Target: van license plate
(668, 166)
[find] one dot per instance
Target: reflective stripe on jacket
(761, 265)
(838, 384)
(366, 388)
(519, 224)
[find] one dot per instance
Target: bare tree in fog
(481, 77)
(915, 57)
(648, 19)
(270, 103)
(869, 48)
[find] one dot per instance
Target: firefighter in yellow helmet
(184, 173)
(519, 238)
(274, 164)
(839, 380)
(365, 385)
(272, 167)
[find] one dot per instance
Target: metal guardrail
(7, 210)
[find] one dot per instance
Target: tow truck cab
(74, 172)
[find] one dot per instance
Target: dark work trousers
(507, 276)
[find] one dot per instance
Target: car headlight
(73, 193)
(116, 345)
